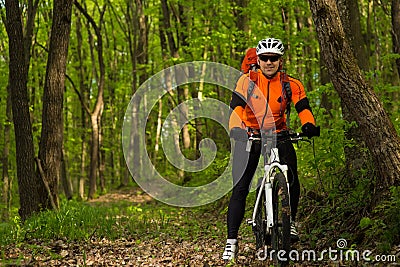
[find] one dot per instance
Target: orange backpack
(250, 60)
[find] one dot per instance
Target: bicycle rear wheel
(281, 229)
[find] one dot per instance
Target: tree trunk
(357, 157)
(183, 96)
(143, 41)
(350, 17)
(66, 182)
(158, 133)
(94, 157)
(174, 42)
(82, 178)
(198, 94)
(396, 30)
(242, 24)
(133, 33)
(141, 53)
(29, 185)
(396, 48)
(51, 141)
(97, 112)
(377, 130)
(102, 163)
(84, 106)
(31, 14)
(5, 159)
(112, 103)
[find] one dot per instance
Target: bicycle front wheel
(281, 229)
(259, 229)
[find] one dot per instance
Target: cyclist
(249, 114)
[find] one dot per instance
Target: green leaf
(365, 222)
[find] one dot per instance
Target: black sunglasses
(265, 58)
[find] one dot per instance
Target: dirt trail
(204, 250)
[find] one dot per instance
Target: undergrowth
(82, 221)
(351, 214)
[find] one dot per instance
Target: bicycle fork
(268, 205)
(265, 202)
(266, 186)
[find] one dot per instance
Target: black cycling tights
(237, 203)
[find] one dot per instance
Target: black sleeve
(302, 105)
(237, 100)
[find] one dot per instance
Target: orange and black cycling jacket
(252, 114)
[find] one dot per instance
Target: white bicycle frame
(270, 168)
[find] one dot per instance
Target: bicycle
(271, 219)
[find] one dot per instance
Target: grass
(82, 229)
(81, 221)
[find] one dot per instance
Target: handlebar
(240, 134)
(280, 137)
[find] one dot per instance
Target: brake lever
(306, 140)
(298, 139)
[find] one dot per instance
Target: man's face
(269, 63)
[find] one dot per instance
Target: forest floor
(201, 246)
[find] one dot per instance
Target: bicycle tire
(260, 228)
(280, 234)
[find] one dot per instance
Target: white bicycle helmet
(270, 45)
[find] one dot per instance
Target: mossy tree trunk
(377, 130)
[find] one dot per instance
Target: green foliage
(327, 213)
(212, 172)
(79, 221)
(383, 224)
(75, 221)
(321, 161)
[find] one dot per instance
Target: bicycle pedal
(250, 222)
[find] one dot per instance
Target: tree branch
(42, 176)
(84, 105)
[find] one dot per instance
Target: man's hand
(238, 134)
(310, 130)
